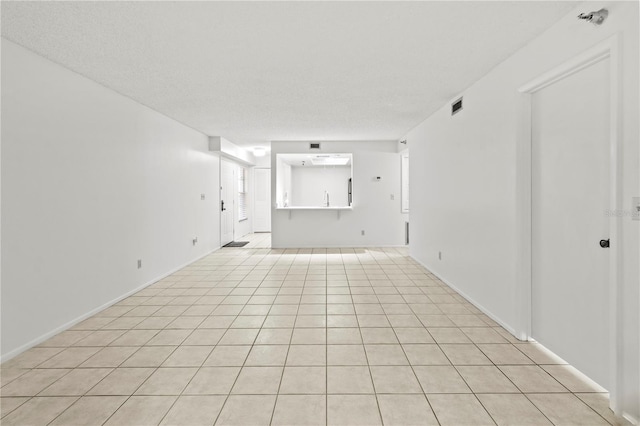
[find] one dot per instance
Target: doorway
(570, 193)
(568, 169)
(262, 205)
(227, 191)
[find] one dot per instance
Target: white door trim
(231, 205)
(606, 49)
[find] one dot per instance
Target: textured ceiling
(259, 71)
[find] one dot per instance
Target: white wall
(309, 184)
(373, 210)
(261, 199)
(282, 177)
(244, 227)
(263, 162)
(463, 173)
(231, 150)
(91, 182)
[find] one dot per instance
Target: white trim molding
(69, 324)
(469, 299)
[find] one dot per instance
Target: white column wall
(463, 179)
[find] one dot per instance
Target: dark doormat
(236, 244)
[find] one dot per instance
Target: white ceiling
(259, 71)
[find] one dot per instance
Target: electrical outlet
(202, 197)
(439, 255)
(393, 197)
(139, 263)
(635, 205)
(362, 232)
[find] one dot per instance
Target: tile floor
(254, 336)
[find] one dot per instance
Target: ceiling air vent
(456, 106)
(314, 146)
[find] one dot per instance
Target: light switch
(635, 208)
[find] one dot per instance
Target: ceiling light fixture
(259, 152)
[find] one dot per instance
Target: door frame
(609, 48)
(233, 181)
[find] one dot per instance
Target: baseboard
(69, 324)
(626, 416)
(469, 299)
(632, 420)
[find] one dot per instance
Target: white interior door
(262, 204)
(227, 188)
(570, 193)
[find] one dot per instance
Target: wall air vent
(456, 106)
(314, 146)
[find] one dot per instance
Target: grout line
(284, 366)
(326, 344)
(137, 388)
(246, 358)
(255, 269)
(366, 356)
(409, 362)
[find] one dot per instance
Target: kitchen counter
(311, 208)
